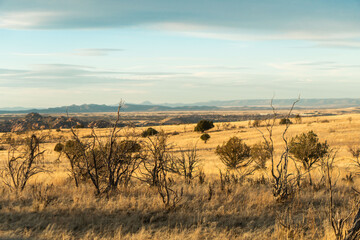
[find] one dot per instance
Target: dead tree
(282, 184)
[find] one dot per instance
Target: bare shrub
(256, 123)
(42, 195)
(22, 163)
(156, 168)
(187, 165)
(355, 153)
(337, 222)
(106, 163)
(201, 176)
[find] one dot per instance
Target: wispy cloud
(67, 76)
(313, 65)
(83, 52)
(96, 51)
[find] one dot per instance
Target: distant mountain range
(304, 103)
(89, 108)
(200, 106)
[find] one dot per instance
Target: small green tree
(149, 132)
(285, 121)
(307, 150)
(298, 119)
(59, 147)
(204, 125)
(205, 137)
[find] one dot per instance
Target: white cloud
(26, 19)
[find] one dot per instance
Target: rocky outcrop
(68, 122)
(35, 121)
(100, 124)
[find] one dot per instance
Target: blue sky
(56, 52)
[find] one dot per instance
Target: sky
(62, 52)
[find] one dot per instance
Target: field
(51, 207)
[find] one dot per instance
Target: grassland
(51, 207)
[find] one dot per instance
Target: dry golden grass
(55, 209)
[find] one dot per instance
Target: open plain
(52, 207)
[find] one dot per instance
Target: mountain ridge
(245, 104)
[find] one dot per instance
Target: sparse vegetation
(148, 187)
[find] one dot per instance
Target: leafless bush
(201, 176)
(256, 123)
(106, 163)
(187, 165)
(156, 168)
(22, 163)
(43, 195)
(355, 152)
(337, 221)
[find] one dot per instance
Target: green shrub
(307, 150)
(59, 147)
(285, 121)
(149, 132)
(234, 153)
(205, 137)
